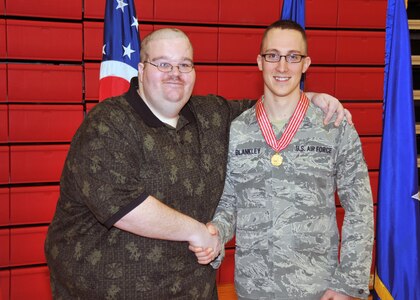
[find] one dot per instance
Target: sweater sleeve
(352, 274)
(102, 166)
(225, 216)
(239, 106)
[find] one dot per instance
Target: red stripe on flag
(112, 86)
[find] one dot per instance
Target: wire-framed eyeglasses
(166, 67)
(290, 58)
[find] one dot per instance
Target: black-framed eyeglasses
(167, 67)
(290, 58)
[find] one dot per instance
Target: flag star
(135, 23)
(121, 4)
(103, 49)
(128, 50)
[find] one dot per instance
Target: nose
(175, 70)
(282, 64)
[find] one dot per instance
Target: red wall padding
(361, 14)
(33, 205)
(321, 13)
(374, 180)
(5, 247)
(3, 83)
(4, 164)
(346, 13)
(44, 123)
(239, 82)
(369, 82)
(92, 40)
(44, 83)
(27, 245)
(204, 39)
(342, 47)
(342, 82)
(4, 206)
(232, 39)
(4, 134)
(227, 269)
(62, 9)
(371, 149)
(206, 80)
(30, 283)
(4, 284)
(91, 71)
(367, 117)
(96, 9)
(204, 11)
(369, 50)
(44, 40)
(26, 283)
(37, 163)
(2, 38)
(251, 12)
(317, 39)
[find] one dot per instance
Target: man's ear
(259, 62)
(141, 70)
(306, 64)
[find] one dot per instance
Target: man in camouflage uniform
(279, 195)
(144, 171)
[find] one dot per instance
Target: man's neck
(170, 120)
(280, 108)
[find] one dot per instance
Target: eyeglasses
(167, 67)
(290, 58)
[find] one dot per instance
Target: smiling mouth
(174, 82)
(281, 78)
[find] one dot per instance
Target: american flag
(121, 48)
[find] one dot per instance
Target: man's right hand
(206, 254)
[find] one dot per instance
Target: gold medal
(276, 160)
(288, 134)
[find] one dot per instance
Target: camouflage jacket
(284, 217)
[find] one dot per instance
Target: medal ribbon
(291, 129)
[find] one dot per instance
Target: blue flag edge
(398, 240)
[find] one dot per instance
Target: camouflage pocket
(252, 227)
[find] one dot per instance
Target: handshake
(206, 244)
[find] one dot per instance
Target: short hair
(164, 33)
(285, 24)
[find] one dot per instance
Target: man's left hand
(330, 105)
